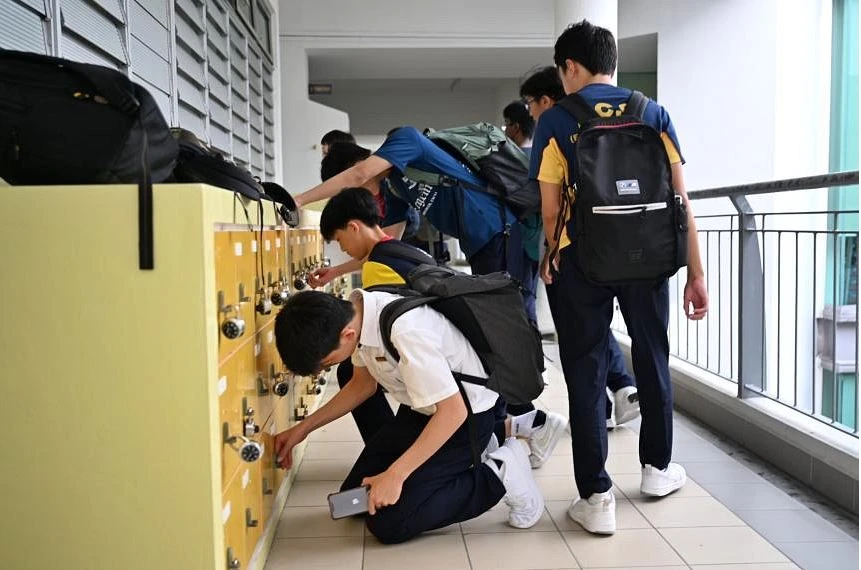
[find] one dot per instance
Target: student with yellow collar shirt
(352, 219)
(585, 56)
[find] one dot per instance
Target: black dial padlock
(250, 451)
(264, 303)
(281, 387)
(233, 327)
(280, 294)
(299, 282)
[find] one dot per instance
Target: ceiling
(360, 69)
(425, 63)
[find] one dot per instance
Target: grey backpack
(485, 150)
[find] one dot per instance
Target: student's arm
(357, 175)
(360, 387)
(386, 487)
(551, 204)
(696, 296)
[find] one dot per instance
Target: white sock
(521, 426)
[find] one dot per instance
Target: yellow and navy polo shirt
(553, 145)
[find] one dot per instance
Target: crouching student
(351, 218)
(419, 467)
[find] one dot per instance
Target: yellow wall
(108, 389)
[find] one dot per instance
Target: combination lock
(281, 386)
(233, 327)
(264, 303)
(250, 451)
(280, 294)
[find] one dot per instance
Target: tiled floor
(726, 518)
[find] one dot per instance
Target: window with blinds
(208, 65)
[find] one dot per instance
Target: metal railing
(781, 271)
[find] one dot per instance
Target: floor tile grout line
(772, 544)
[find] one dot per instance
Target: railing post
(751, 312)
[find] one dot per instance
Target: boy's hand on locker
(284, 444)
(321, 276)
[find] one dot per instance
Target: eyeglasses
(528, 101)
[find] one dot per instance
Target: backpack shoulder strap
(575, 105)
(397, 248)
(390, 314)
(636, 106)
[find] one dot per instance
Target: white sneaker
(626, 404)
(543, 441)
(596, 514)
(659, 483)
(522, 494)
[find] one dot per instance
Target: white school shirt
(430, 348)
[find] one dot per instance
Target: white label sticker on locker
(270, 336)
(256, 349)
(237, 248)
(254, 246)
(246, 478)
(267, 245)
(277, 242)
(222, 385)
(225, 513)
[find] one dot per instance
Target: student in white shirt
(419, 467)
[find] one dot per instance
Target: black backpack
(197, 163)
(494, 157)
(630, 224)
(66, 122)
(488, 310)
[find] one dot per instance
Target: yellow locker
(268, 487)
(232, 326)
(252, 502)
(265, 353)
(233, 519)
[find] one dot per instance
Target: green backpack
(485, 150)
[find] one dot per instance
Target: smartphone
(348, 503)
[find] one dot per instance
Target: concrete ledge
(816, 454)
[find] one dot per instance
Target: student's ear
(348, 334)
(353, 226)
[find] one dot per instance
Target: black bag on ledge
(66, 122)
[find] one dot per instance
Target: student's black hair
(341, 157)
(337, 136)
(541, 83)
(591, 46)
(516, 112)
(308, 328)
(348, 204)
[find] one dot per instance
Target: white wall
(747, 85)
(416, 20)
(742, 81)
(303, 121)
